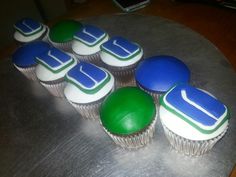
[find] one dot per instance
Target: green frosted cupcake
(61, 34)
(128, 116)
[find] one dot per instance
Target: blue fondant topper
(27, 26)
(54, 58)
(196, 104)
(90, 35)
(25, 55)
(160, 73)
(120, 47)
(87, 75)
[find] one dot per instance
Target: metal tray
(41, 135)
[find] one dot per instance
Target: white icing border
(195, 122)
(21, 38)
(82, 49)
(75, 95)
(183, 129)
(113, 61)
(44, 74)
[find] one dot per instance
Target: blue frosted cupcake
(158, 74)
(121, 57)
(51, 69)
(193, 119)
(87, 86)
(24, 57)
(87, 42)
(27, 30)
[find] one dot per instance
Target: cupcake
(158, 74)
(128, 116)
(87, 42)
(28, 30)
(121, 56)
(61, 34)
(193, 119)
(24, 57)
(51, 69)
(87, 86)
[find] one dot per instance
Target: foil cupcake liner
(191, 147)
(56, 90)
(124, 77)
(154, 95)
(136, 140)
(94, 58)
(66, 46)
(45, 37)
(29, 72)
(88, 111)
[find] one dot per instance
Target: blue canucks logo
(90, 35)
(55, 59)
(87, 76)
(28, 26)
(120, 47)
(197, 105)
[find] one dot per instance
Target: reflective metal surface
(41, 135)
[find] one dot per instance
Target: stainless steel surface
(41, 135)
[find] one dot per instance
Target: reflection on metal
(41, 135)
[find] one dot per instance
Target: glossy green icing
(126, 111)
(63, 31)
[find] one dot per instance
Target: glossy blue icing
(89, 34)
(25, 55)
(200, 98)
(160, 73)
(54, 58)
(86, 74)
(27, 26)
(120, 47)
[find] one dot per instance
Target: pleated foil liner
(88, 111)
(56, 90)
(29, 72)
(45, 37)
(136, 140)
(155, 96)
(124, 78)
(124, 75)
(191, 147)
(94, 58)
(66, 46)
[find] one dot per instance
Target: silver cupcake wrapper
(56, 90)
(88, 111)
(124, 77)
(66, 46)
(191, 147)
(45, 38)
(136, 140)
(29, 73)
(155, 96)
(94, 58)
